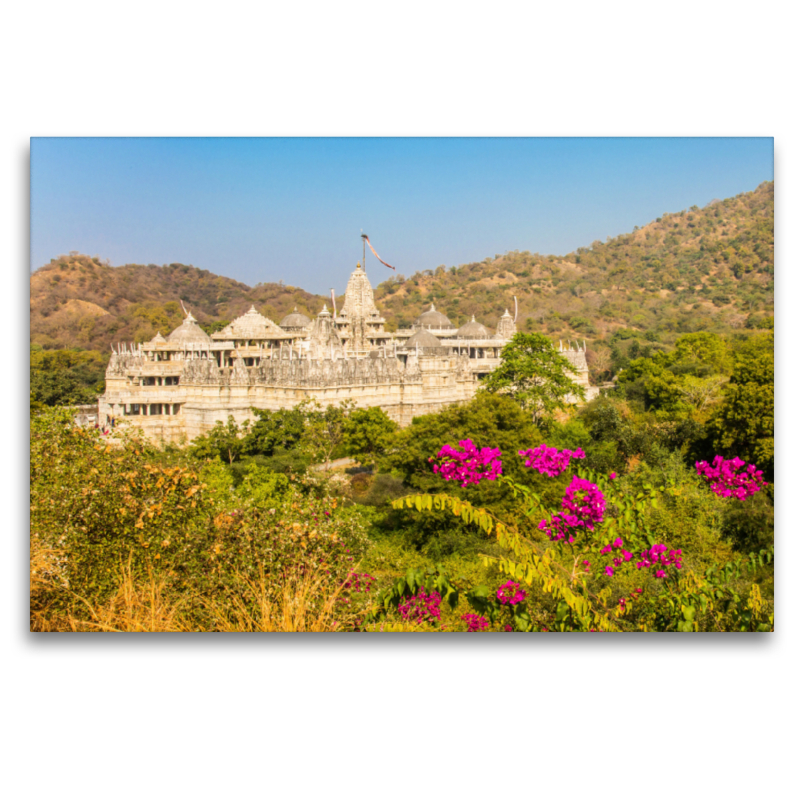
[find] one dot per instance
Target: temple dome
(472, 330)
(189, 332)
(295, 320)
(433, 319)
(251, 325)
(423, 339)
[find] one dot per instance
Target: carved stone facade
(179, 387)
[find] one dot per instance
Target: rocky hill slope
(698, 269)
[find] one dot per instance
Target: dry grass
(305, 603)
(299, 603)
(45, 570)
(135, 608)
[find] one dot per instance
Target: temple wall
(428, 384)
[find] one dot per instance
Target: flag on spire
(366, 238)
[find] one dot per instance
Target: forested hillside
(709, 269)
(698, 269)
(78, 301)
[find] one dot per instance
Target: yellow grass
(299, 603)
(134, 608)
(306, 603)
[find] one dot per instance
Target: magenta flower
(470, 465)
(548, 460)
(586, 502)
(510, 594)
(421, 607)
(658, 558)
(558, 527)
(612, 476)
(609, 571)
(727, 482)
(359, 582)
(475, 623)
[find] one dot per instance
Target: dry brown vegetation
(699, 269)
(78, 301)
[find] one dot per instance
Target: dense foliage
(66, 377)
(535, 375)
(619, 515)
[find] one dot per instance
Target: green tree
(367, 433)
(275, 430)
(535, 375)
(489, 420)
(65, 377)
(744, 425)
(224, 441)
(324, 429)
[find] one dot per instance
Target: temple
(178, 387)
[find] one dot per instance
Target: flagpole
(364, 257)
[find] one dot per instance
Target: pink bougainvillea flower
(609, 570)
(549, 460)
(658, 558)
(612, 476)
(585, 502)
(475, 623)
(469, 465)
(510, 593)
(421, 607)
(727, 482)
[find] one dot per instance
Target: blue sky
(293, 209)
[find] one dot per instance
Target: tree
(324, 429)
(275, 430)
(368, 432)
(744, 425)
(599, 360)
(222, 441)
(535, 375)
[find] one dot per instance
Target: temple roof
(189, 331)
(359, 300)
(423, 339)
(433, 319)
(472, 330)
(295, 320)
(251, 325)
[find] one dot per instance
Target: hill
(706, 269)
(699, 269)
(79, 301)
